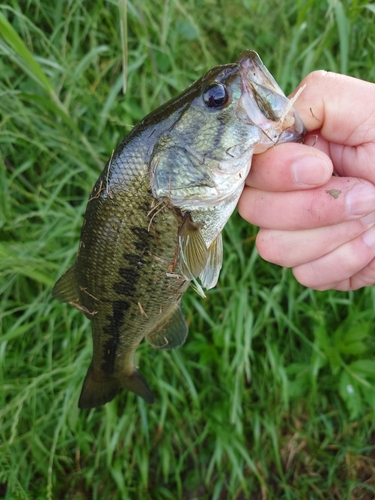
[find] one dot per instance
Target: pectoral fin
(193, 253)
(171, 333)
(210, 273)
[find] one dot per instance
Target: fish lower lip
(293, 134)
(296, 132)
(249, 58)
(299, 126)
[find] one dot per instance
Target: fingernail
(369, 237)
(361, 199)
(311, 170)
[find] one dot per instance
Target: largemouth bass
(154, 218)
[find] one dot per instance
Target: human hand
(321, 226)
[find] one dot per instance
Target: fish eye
(215, 96)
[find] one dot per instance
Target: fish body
(154, 218)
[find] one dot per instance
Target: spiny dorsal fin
(171, 333)
(66, 289)
(210, 273)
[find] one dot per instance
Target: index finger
(341, 107)
(340, 199)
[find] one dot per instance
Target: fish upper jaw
(263, 104)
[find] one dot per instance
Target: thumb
(341, 107)
(340, 110)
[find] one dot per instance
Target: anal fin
(171, 333)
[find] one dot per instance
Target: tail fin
(137, 384)
(100, 388)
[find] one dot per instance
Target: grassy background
(273, 394)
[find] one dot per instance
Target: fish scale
(154, 217)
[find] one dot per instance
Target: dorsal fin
(66, 289)
(171, 333)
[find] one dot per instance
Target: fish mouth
(264, 104)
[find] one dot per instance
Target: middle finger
(341, 199)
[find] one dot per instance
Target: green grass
(273, 394)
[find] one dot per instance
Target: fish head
(211, 131)
(241, 106)
(203, 154)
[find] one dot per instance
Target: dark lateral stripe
(125, 288)
(113, 329)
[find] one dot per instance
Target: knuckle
(323, 208)
(315, 209)
(306, 276)
(269, 247)
(313, 78)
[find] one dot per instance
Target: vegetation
(273, 394)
